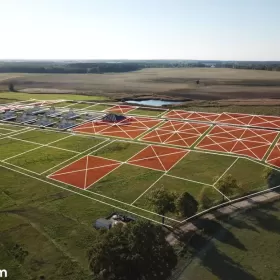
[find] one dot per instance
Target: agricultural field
(170, 83)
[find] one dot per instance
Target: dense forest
(99, 67)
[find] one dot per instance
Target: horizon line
(130, 59)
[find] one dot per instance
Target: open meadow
(168, 83)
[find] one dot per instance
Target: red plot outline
(177, 133)
(85, 171)
(189, 115)
(266, 122)
(129, 128)
(158, 157)
(249, 142)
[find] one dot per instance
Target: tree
(162, 201)
(186, 205)
(137, 251)
(272, 177)
(227, 185)
(207, 197)
(11, 87)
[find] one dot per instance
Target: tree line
(119, 67)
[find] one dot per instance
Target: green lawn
(249, 174)
(63, 104)
(4, 131)
(179, 186)
(126, 183)
(52, 225)
(120, 151)
(41, 159)
(6, 100)
(244, 247)
(80, 105)
(145, 112)
(100, 107)
(92, 108)
(12, 127)
(11, 147)
(202, 167)
(42, 96)
(41, 136)
(78, 143)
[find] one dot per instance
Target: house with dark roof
(113, 118)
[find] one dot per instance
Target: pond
(153, 102)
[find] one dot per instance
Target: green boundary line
(201, 137)
(270, 148)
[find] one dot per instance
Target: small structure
(113, 118)
(26, 118)
(8, 116)
(36, 110)
(45, 122)
(66, 124)
(52, 112)
(112, 220)
(70, 115)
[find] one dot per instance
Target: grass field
(214, 107)
(80, 105)
(40, 159)
(78, 143)
(4, 131)
(244, 247)
(146, 112)
(242, 171)
(100, 107)
(180, 186)
(43, 152)
(11, 127)
(120, 151)
(41, 136)
(52, 225)
(59, 216)
(126, 183)
(202, 167)
(11, 147)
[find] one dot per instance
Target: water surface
(152, 102)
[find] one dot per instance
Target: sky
(140, 29)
